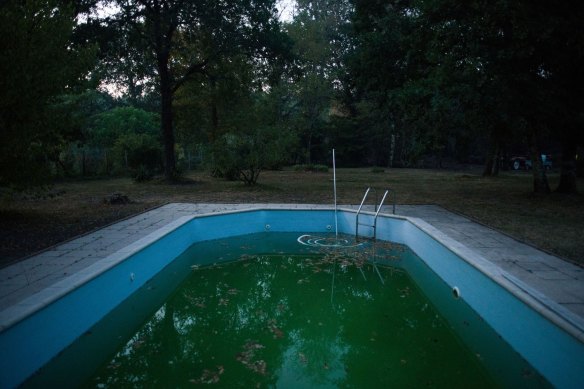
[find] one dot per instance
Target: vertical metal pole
(335, 192)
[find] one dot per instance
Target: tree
(256, 141)
(318, 32)
(182, 38)
(495, 70)
(564, 58)
(38, 62)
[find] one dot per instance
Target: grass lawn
(554, 223)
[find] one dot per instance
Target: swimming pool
(79, 302)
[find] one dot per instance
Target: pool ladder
(377, 209)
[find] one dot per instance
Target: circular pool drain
(319, 241)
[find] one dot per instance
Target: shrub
(311, 168)
(140, 154)
(242, 156)
(142, 174)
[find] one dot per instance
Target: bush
(242, 156)
(311, 168)
(142, 174)
(140, 154)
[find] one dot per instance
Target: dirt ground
(31, 222)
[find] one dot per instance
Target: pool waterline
(395, 228)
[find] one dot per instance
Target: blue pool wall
(37, 338)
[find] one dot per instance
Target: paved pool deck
(552, 278)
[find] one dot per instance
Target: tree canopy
(38, 63)
(398, 83)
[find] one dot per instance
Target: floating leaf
(246, 358)
(278, 333)
(259, 367)
(302, 358)
(208, 376)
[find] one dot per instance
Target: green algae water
(225, 314)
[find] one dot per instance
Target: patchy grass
(554, 223)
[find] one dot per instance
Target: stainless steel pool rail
(377, 209)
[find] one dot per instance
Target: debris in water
(278, 333)
(208, 376)
(248, 355)
(302, 358)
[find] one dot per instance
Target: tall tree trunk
(166, 119)
(309, 148)
(497, 161)
(214, 112)
(568, 168)
(540, 182)
(492, 162)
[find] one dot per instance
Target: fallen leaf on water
(278, 333)
(206, 378)
(246, 358)
(260, 367)
(302, 357)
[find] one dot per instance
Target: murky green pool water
(312, 319)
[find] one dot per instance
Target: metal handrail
(377, 210)
(363, 201)
(381, 203)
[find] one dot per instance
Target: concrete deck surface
(556, 279)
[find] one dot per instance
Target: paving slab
(552, 277)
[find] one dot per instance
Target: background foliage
(142, 87)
